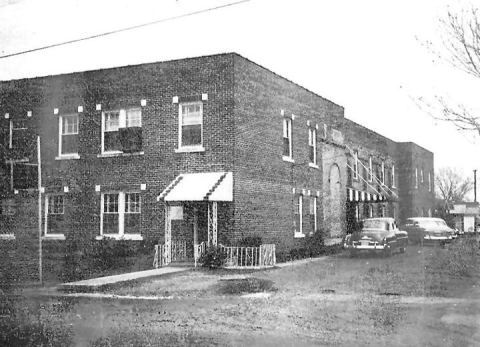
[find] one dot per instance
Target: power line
(124, 29)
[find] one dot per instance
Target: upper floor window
(287, 138)
(68, 135)
(122, 131)
(355, 165)
(370, 169)
(312, 144)
(416, 178)
(393, 176)
(429, 182)
(190, 125)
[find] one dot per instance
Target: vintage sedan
(377, 235)
(429, 230)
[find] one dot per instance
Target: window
(287, 138)
(120, 214)
(190, 125)
(312, 144)
(54, 215)
(383, 173)
(355, 165)
(416, 178)
(370, 169)
(370, 211)
(68, 135)
(429, 182)
(421, 175)
(313, 213)
(298, 220)
(393, 176)
(122, 131)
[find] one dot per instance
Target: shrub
(315, 244)
(213, 258)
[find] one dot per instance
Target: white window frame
(46, 234)
(355, 165)
(416, 178)
(429, 181)
(190, 148)
(393, 176)
(121, 235)
(298, 232)
(287, 133)
(123, 122)
(312, 142)
(60, 134)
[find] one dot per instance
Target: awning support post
(168, 235)
(212, 223)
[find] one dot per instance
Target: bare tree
(451, 185)
(461, 48)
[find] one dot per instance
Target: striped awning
(203, 186)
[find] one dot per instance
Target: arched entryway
(334, 210)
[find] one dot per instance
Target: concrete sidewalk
(101, 282)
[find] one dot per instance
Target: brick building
(200, 149)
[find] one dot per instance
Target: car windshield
(432, 224)
(375, 224)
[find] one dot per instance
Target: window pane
(191, 135)
(112, 121)
(69, 144)
(111, 141)
(110, 203)
(134, 118)
(70, 125)
(132, 203)
(286, 147)
(132, 223)
(110, 223)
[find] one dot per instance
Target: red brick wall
(264, 183)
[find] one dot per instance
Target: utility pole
(39, 170)
(475, 185)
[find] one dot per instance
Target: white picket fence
(249, 257)
(236, 257)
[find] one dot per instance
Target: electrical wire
(123, 29)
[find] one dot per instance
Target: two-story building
(210, 149)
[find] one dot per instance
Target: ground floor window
(54, 214)
(120, 213)
(298, 216)
(313, 213)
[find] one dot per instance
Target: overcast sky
(364, 55)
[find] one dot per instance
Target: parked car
(429, 230)
(377, 235)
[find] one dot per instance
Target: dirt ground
(332, 301)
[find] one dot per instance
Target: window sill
(7, 237)
(190, 149)
(67, 157)
(118, 154)
(60, 237)
(132, 237)
(315, 166)
(288, 159)
(298, 235)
